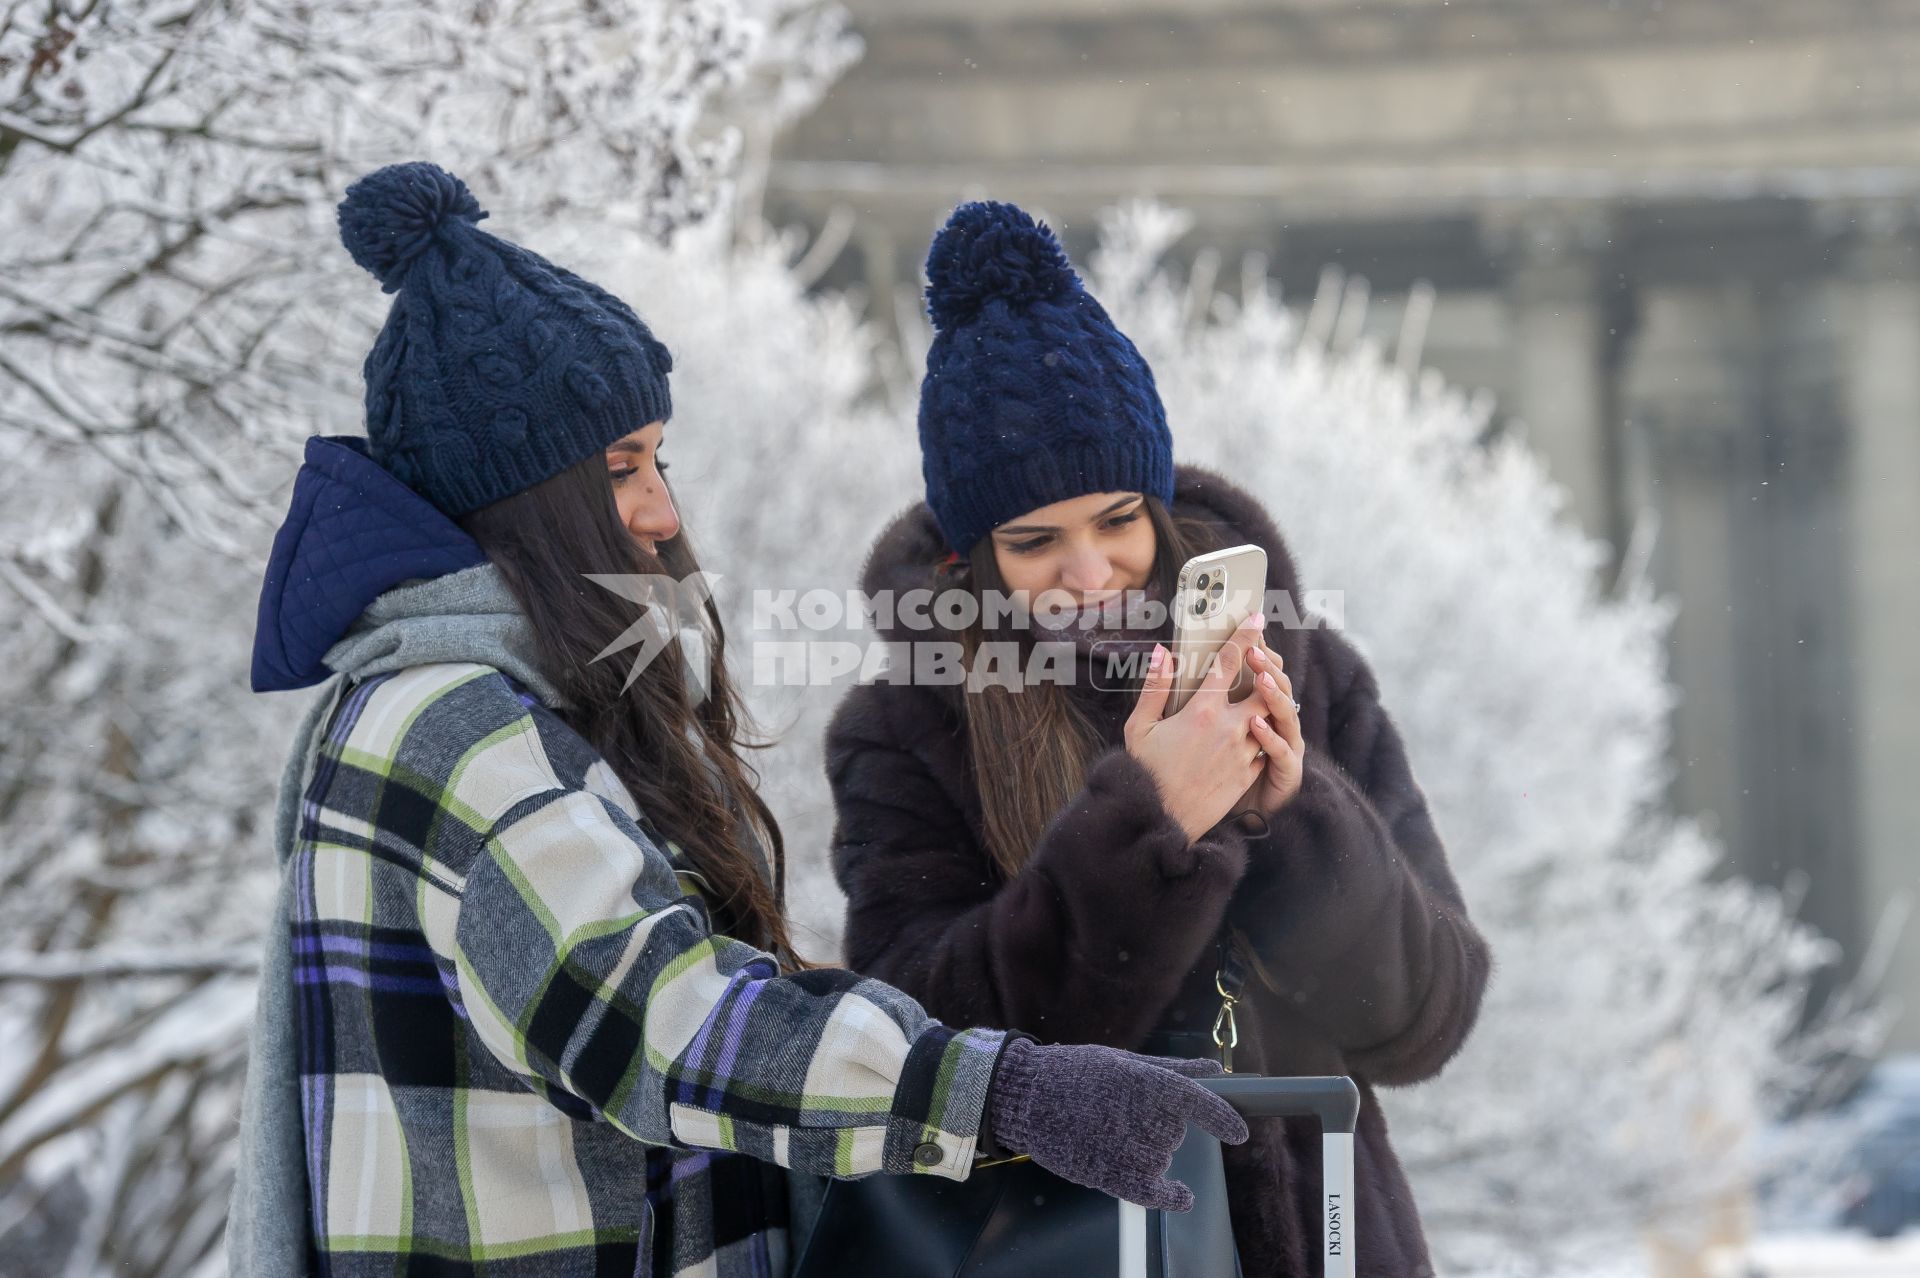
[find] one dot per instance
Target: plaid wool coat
(522, 1050)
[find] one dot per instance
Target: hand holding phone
(1279, 734)
(1205, 758)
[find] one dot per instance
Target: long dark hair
(681, 762)
(1030, 748)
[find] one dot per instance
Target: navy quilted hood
(352, 533)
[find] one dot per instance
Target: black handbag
(1010, 1220)
(1015, 1219)
(1018, 1220)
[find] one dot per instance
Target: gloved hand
(1105, 1118)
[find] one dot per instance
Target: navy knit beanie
(496, 369)
(1032, 396)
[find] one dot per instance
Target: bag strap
(1244, 948)
(1229, 979)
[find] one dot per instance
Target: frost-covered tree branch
(176, 316)
(118, 964)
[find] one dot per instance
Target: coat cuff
(1327, 861)
(940, 1105)
(1324, 792)
(1329, 808)
(989, 1146)
(1119, 779)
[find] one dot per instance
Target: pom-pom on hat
(1031, 396)
(496, 369)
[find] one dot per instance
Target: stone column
(1881, 370)
(1683, 396)
(1554, 259)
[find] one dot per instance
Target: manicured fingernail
(1258, 657)
(1158, 659)
(1267, 682)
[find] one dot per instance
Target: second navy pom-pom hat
(496, 369)
(1032, 395)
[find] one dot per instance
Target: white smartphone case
(1216, 592)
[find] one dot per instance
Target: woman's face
(1091, 548)
(646, 508)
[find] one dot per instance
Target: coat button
(929, 1155)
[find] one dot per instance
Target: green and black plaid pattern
(522, 1050)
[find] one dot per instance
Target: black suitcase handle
(1331, 1098)
(1335, 1101)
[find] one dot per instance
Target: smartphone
(1216, 592)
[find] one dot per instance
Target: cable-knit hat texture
(496, 369)
(1031, 396)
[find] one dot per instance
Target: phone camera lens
(1204, 579)
(1199, 607)
(1218, 588)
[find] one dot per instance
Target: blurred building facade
(1679, 240)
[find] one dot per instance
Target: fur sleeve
(1088, 943)
(1349, 903)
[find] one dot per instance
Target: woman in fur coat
(1038, 856)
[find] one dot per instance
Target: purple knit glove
(1105, 1118)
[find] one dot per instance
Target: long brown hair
(1029, 748)
(680, 762)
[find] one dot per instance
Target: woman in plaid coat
(529, 1005)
